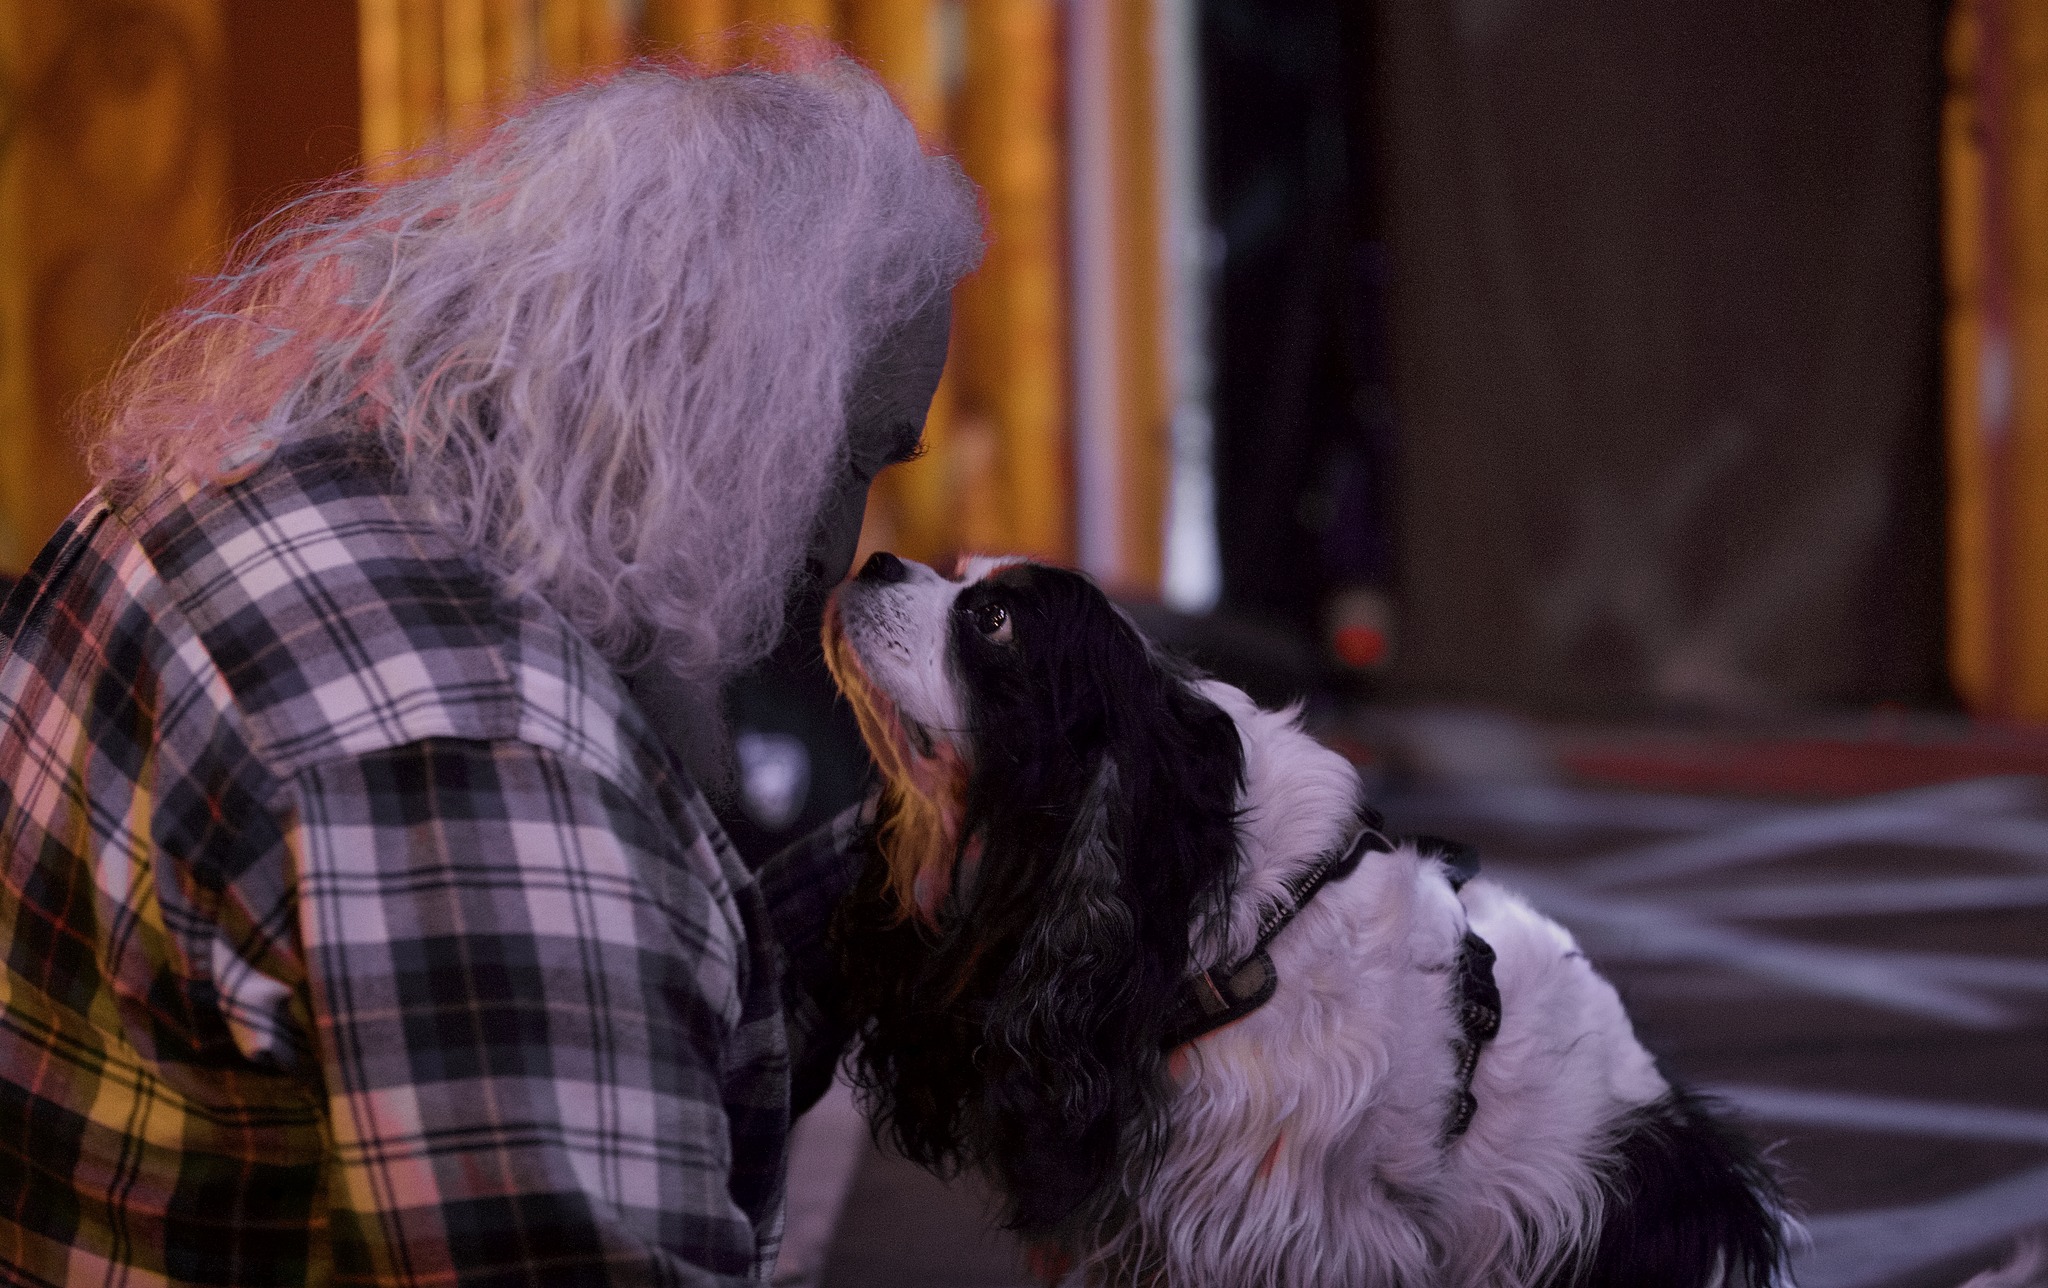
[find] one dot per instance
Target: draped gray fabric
(1665, 331)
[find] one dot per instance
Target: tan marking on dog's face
(924, 776)
(889, 646)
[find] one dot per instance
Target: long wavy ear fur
(1061, 1083)
(1020, 1035)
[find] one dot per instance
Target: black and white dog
(1136, 950)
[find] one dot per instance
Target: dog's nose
(883, 567)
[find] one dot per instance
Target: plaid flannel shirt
(359, 929)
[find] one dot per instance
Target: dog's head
(1058, 812)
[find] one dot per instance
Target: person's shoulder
(342, 620)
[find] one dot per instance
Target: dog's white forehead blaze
(975, 567)
(924, 782)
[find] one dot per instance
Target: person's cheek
(838, 535)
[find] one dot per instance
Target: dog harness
(1212, 998)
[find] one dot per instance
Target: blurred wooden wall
(137, 138)
(1995, 237)
(113, 178)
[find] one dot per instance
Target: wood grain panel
(697, 28)
(1015, 481)
(113, 184)
(1995, 233)
(1145, 391)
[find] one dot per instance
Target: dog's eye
(993, 621)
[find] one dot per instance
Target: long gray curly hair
(608, 345)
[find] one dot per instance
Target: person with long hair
(363, 920)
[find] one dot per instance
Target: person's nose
(883, 567)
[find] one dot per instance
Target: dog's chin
(925, 755)
(926, 777)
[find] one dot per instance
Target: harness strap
(1475, 997)
(1478, 1002)
(1212, 998)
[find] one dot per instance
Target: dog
(1138, 951)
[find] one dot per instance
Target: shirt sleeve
(803, 886)
(521, 995)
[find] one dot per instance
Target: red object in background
(1888, 759)
(1360, 646)
(1360, 622)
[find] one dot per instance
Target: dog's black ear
(1056, 1094)
(1076, 1081)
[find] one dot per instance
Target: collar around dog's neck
(1212, 998)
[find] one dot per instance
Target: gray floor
(1866, 980)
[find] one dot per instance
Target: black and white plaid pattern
(358, 927)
